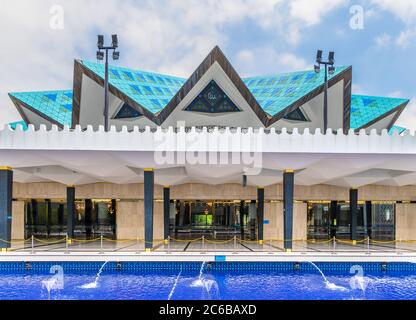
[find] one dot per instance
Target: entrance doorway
(327, 219)
(47, 218)
(216, 220)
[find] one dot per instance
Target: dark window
(212, 100)
(296, 115)
(126, 112)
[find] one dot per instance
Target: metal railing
(67, 244)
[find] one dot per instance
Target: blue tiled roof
(151, 90)
(274, 93)
(397, 129)
(56, 105)
(367, 108)
(13, 125)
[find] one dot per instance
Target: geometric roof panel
(365, 109)
(275, 93)
(397, 129)
(56, 105)
(151, 90)
(14, 125)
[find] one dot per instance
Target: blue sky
(259, 37)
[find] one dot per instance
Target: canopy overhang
(217, 156)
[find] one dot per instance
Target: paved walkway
(211, 247)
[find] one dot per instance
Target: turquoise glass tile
(151, 90)
(275, 93)
(13, 125)
(364, 109)
(397, 129)
(56, 105)
(154, 91)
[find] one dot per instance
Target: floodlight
(100, 55)
(319, 56)
(115, 40)
(331, 57)
(100, 42)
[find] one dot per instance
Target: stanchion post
(368, 245)
(66, 244)
(235, 244)
(137, 246)
(33, 244)
(168, 244)
(334, 245)
(101, 244)
(203, 243)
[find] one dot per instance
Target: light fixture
(100, 55)
(319, 56)
(115, 40)
(329, 69)
(100, 42)
(331, 57)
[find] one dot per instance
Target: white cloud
(311, 11)
(405, 10)
(165, 36)
(405, 38)
(383, 40)
(263, 61)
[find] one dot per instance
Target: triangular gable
(216, 55)
(53, 106)
(367, 110)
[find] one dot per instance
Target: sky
(40, 40)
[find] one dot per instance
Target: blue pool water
(219, 281)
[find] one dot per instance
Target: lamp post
(101, 53)
(329, 69)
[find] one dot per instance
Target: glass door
(319, 221)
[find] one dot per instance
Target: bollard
(101, 244)
(33, 244)
(368, 245)
(137, 246)
(334, 245)
(235, 244)
(203, 243)
(66, 244)
(168, 244)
